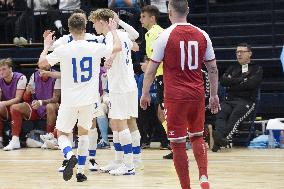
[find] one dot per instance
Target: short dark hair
(180, 6)
(77, 23)
(245, 45)
(79, 11)
(151, 10)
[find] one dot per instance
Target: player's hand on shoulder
(112, 25)
(214, 104)
(115, 17)
(145, 100)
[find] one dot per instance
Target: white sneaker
(13, 145)
(43, 146)
(138, 165)
(122, 170)
(112, 166)
(52, 144)
(31, 143)
(93, 166)
(46, 137)
(64, 163)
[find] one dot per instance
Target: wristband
(40, 102)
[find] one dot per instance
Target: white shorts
(123, 105)
(67, 117)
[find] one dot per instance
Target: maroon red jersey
(183, 48)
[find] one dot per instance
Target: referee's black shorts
(160, 91)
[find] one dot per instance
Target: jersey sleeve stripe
(156, 62)
(209, 60)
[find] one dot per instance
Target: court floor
(238, 168)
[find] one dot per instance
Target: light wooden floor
(236, 169)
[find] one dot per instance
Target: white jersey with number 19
(80, 68)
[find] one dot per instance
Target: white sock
(118, 152)
(15, 139)
(126, 144)
(65, 146)
(82, 152)
(136, 145)
(93, 140)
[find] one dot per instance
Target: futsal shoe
(169, 156)
(48, 136)
(68, 171)
(138, 165)
(122, 170)
(204, 184)
(81, 177)
(64, 163)
(93, 166)
(112, 166)
(103, 145)
(13, 145)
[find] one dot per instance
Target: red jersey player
(184, 48)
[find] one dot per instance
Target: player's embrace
(80, 68)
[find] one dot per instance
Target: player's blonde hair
(101, 14)
(6, 61)
(77, 23)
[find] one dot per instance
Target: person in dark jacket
(242, 82)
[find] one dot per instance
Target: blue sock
(81, 164)
(66, 152)
(92, 153)
(103, 126)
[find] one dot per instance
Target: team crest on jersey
(171, 133)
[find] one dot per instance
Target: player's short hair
(101, 14)
(151, 10)
(6, 61)
(79, 11)
(244, 45)
(77, 23)
(180, 6)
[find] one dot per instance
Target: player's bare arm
(213, 79)
(116, 41)
(48, 41)
(135, 47)
(55, 99)
(148, 80)
(17, 99)
(133, 34)
(53, 74)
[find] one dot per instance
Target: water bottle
(282, 139)
(271, 141)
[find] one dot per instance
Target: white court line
(20, 161)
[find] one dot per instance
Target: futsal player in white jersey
(80, 66)
(93, 134)
(123, 108)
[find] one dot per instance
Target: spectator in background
(282, 58)
(3, 15)
(242, 82)
(12, 86)
(66, 8)
(41, 19)
(12, 7)
(147, 119)
(41, 102)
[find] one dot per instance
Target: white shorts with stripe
(123, 105)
